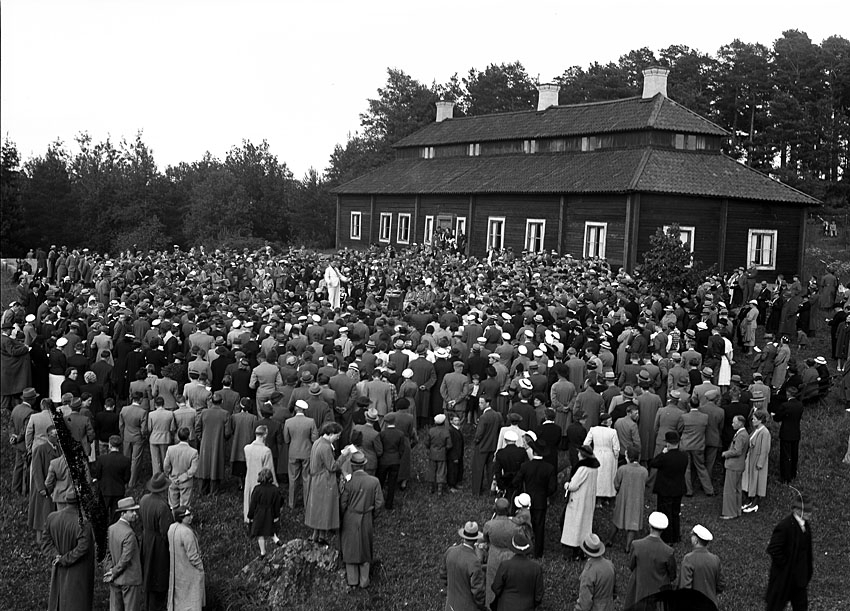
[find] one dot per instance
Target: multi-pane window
(403, 233)
(460, 226)
(354, 226)
(429, 230)
(534, 231)
(495, 232)
(385, 227)
(473, 150)
(762, 248)
(594, 239)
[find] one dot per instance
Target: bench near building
(590, 180)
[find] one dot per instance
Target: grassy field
(411, 540)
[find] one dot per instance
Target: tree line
(787, 108)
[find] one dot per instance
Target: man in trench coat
(360, 500)
(69, 543)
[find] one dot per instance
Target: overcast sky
(202, 75)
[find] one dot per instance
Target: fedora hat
(126, 504)
(469, 531)
(29, 393)
(592, 546)
(520, 544)
(372, 415)
(158, 483)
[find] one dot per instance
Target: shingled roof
(603, 171)
(629, 114)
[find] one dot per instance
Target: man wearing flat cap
(700, 568)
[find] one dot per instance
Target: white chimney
(655, 81)
(445, 110)
(548, 95)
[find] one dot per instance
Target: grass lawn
(411, 540)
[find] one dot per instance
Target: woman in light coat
(755, 469)
(186, 591)
(581, 501)
(606, 448)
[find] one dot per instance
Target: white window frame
(491, 220)
(403, 222)
(473, 150)
(427, 152)
(460, 226)
(385, 236)
(542, 235)
(602, 242)
(351, 224)
(428, 235)
(682, 230)
(751, 250)
(529, 147)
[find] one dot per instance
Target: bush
(669, 265)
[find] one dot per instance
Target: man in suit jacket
(507, 463)
(133, 423)
(670, 483)
(180, 465)
(539, 479)
(735, 460)
(299, 433)
(550, 433)
(518, 584)
(455, 389)
(789, 414)
(454, 457)
(80, 425)
(369, 441)
(700, 568)
(161, 427)
(652, 563)
(20, 417)
(265, 379)
(437, 442)
(484, 449)
(396, 448)
(112, 472)
(791, 558)
(692, 444)
(461, 573)
(125, 573)
(668, 418)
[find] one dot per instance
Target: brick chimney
(655, 81)
(548, 95)
(445, 110)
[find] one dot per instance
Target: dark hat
(469, 531)
(158, 483)
(586, 450)
(115, 441)
(29, 394)
(266, 408)
(390, 418)
(71, 496)
(306, 376)
(520, 544)
(671, 437)
(181, 512)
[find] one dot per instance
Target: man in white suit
(333, 278)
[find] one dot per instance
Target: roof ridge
(771, 178)
(633, 183)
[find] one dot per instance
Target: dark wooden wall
(787, 220)
(609, 209)
(699, 212)
(347, 204)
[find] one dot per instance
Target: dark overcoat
(360, 499)
(155, 516)
(72, 577)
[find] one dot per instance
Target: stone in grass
(295, 572)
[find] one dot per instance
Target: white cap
(658, 520)
(702, 532)
(30, 318)
(62, 341)
(236, 324)
(156, 322)
(526, 384)
(439, 419)
(511, 436)
(301, 404)
(407, 373)
(523, 500)
(522, 349)
(506, 337)
(531, 434)
(317, 318)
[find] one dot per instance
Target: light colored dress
(606, 448)
(724, 377)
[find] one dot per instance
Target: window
(534, 231)
(691, 142)
(385, 227)
(762, 248)
(429, 229)
(403, 232)
(686, 234)
(495, 232)
(473, 150)
(427, 152)
(529, 146)
(460, 226)
(589, 143)
(354, 226)
(594, 239)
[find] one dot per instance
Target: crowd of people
(324, 374)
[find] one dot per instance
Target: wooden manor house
(590, 180)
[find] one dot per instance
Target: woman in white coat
(606, 447)
(581, 501)
(186, 581)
